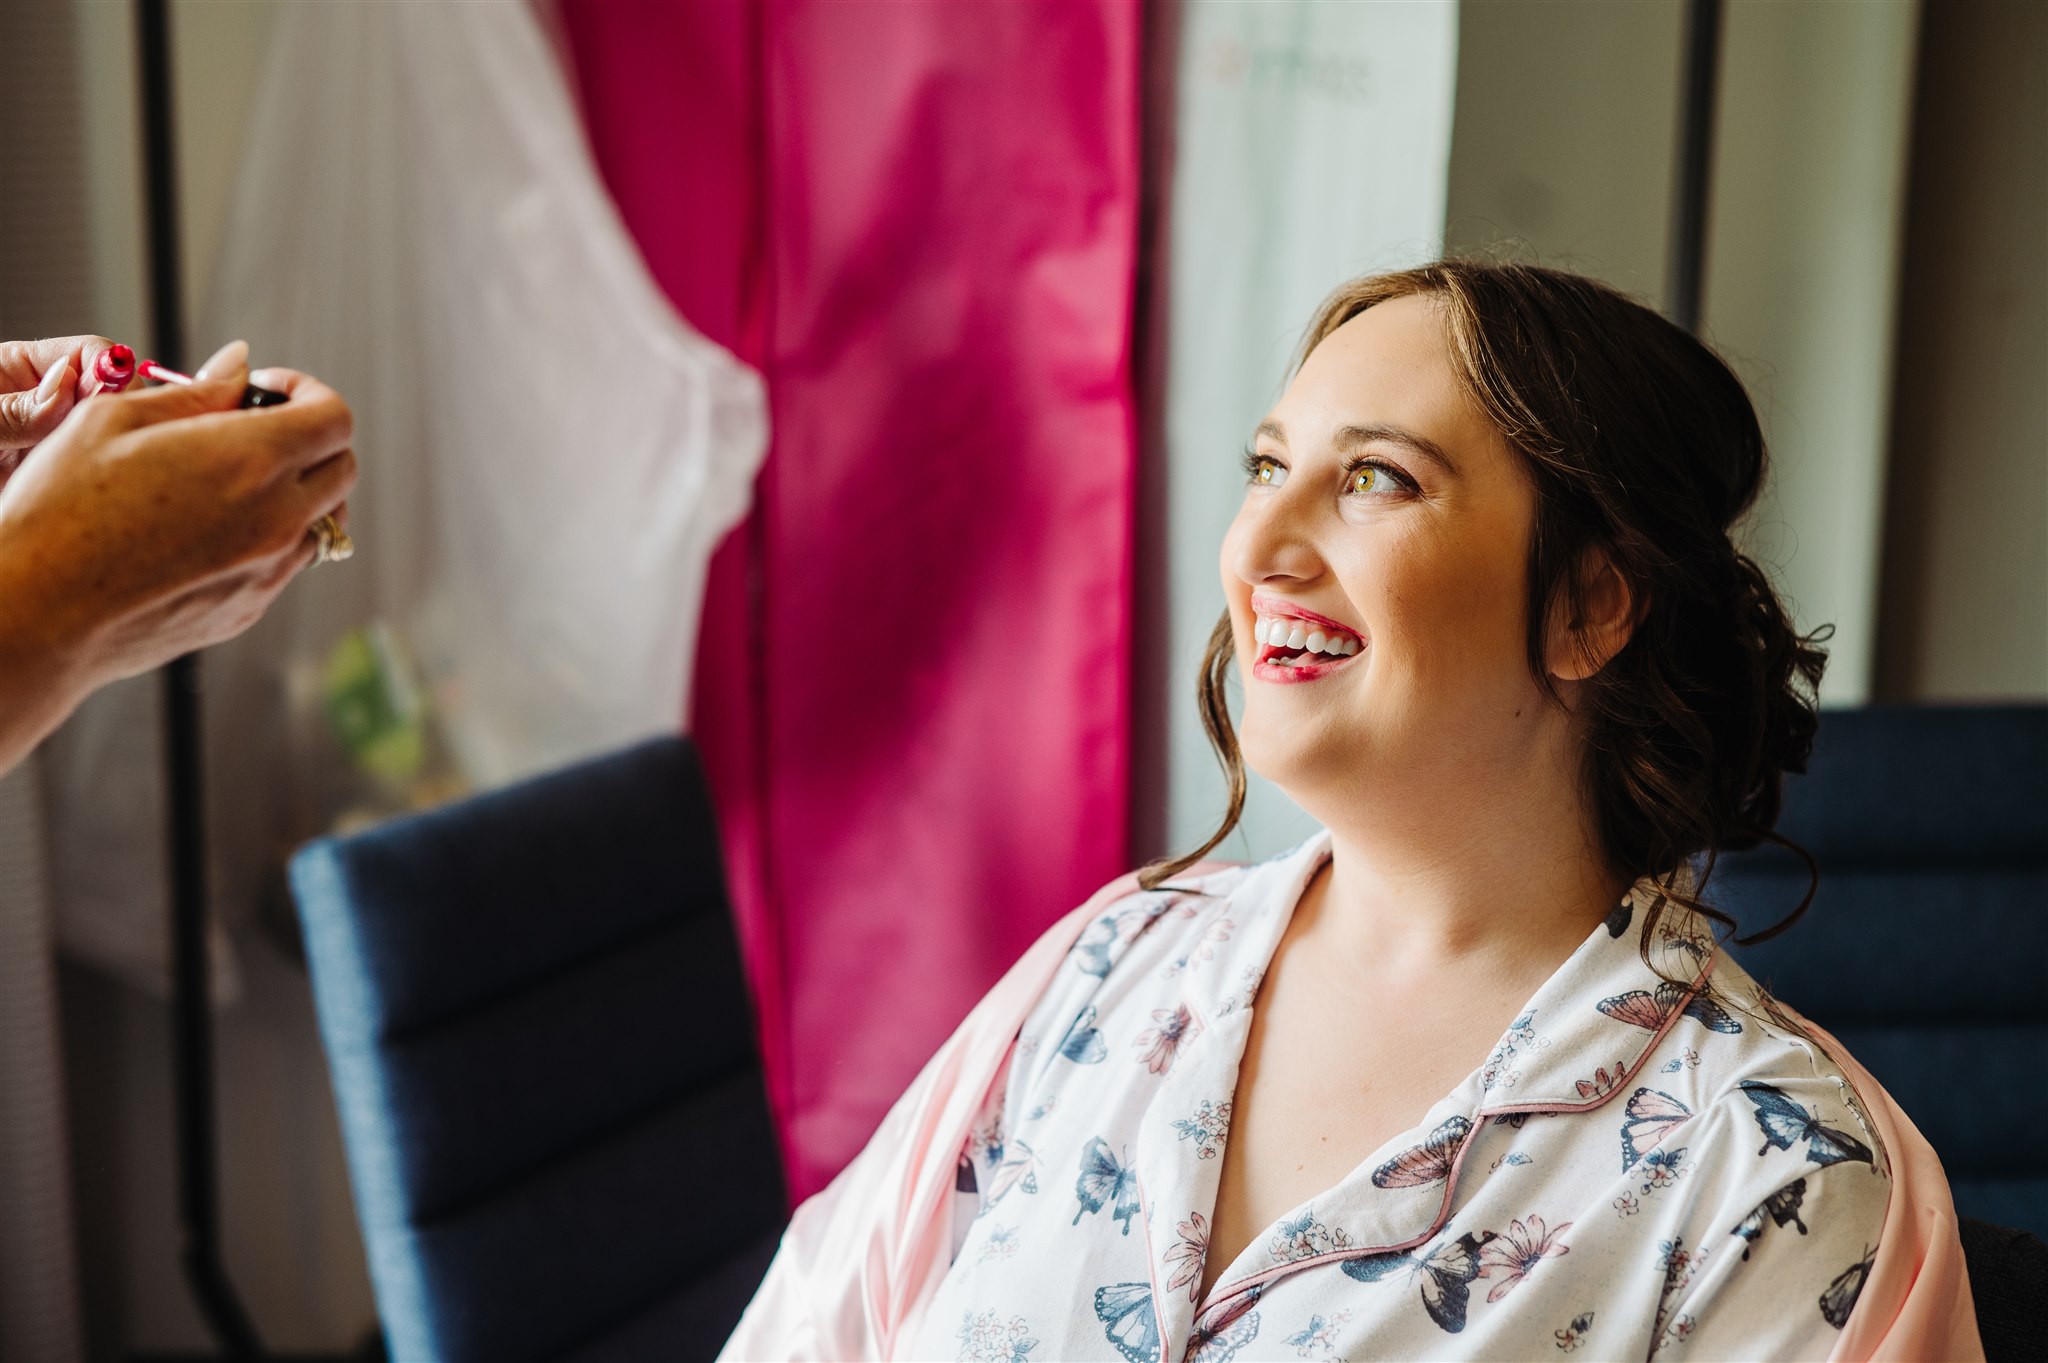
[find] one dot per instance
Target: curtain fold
(914, 665)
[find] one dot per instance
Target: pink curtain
(920, 220)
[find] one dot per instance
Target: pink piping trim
(1151, 1271)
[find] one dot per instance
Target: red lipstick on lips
(1266, 670)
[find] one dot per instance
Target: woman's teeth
(1286, 632)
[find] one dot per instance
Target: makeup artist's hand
(40, 382)
(153, 523)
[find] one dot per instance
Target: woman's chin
(1296, 761)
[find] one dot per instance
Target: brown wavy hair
(1640, 441)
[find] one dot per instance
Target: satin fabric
(914, 673)
(861, 1261)
(1916, 1304)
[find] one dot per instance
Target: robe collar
(1581, 1040)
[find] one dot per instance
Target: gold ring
(331, 543)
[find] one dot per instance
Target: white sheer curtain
(548, 452)
(1312, 144)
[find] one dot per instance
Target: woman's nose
(1274, 547)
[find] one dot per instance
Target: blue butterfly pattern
(1132, 1326)
(1106, 1182)
(1223, 1343)
(1786, 1123)
(1083, 1043)
(1444, 1274)
(1783, 1209)
(1840, 1298)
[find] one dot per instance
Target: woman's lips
(1288, 673)
(1298, 645)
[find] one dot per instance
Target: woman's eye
(1261, 471)
(1374, 477)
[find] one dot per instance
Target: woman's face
(1387, 522)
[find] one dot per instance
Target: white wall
(1312, 142)
(1964, 594)
(1807, 222)
(1566, 133)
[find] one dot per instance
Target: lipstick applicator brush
(252, 396)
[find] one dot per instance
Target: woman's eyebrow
(1349, 438)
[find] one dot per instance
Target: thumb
(27, 418)
(230, 361)
(218, 389)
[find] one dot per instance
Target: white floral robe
(1633, 1172)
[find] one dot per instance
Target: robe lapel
(1581, 1041)
(1186, 1126)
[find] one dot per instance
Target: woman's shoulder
(1776, 1116)
(1783, 1055)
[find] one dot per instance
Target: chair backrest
(2009, 1280)
(542, 1048)
(1926, 945)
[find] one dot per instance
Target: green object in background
(374, 707)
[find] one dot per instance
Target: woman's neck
(1479, 902)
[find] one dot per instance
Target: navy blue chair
(541, 1044)
(1925, 949)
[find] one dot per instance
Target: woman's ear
(1609, 610)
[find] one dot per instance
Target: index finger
(315, 425)
(291, 382)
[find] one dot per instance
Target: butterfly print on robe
(1641, 1008)
(1125, 1310)
(1647, 1119)
(1091, 952)
(1427, 1163)
(1223, 1343)
(1083, 1044)
(1444, 1275)
(1106, 1183)
(1018, 1168)
(1783, 1209)
(1098, 939)
(1786, 1123)
(1699, 946)
(1160, 1043)
(1840, 1299)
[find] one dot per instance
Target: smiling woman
(1466, 1074)
(1607, 440)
